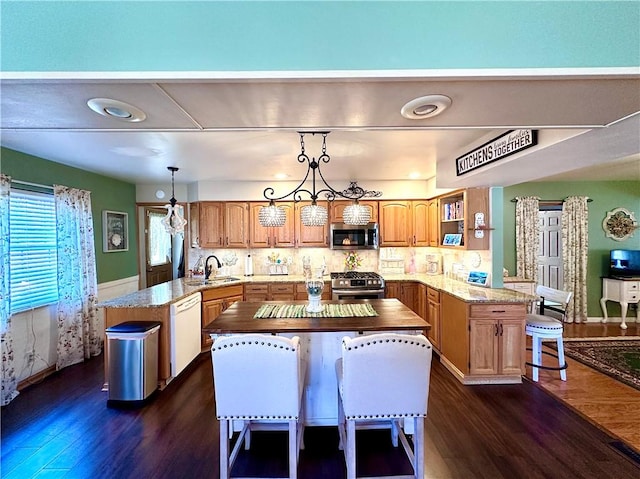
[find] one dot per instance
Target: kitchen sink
(219, 280)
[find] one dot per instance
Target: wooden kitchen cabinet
(310, 236)
(433, 220)
(223, 224)
(395, 223)
(405, 291)
(433, 316)
(404, 223)
(458, 212)
(257, 292)
(483, 343)
(420, 222)
(214, 302)
(338, 206)
(271, 237)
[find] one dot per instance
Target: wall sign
(505, 145)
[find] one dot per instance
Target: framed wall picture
(115, 231)
(451, 239)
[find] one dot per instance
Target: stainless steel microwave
(354, 237)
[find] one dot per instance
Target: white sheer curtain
(527, 237)
(9, 381)
(78, 323)
(575, 247)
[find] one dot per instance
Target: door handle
(496, 330)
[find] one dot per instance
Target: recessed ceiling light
(281, 176)
(414, 175)
(118, 110)
(425, 107)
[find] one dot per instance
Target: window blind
(32, 250)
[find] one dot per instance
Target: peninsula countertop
(167, 293)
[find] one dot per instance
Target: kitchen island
(321, 338)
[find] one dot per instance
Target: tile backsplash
(384, 260)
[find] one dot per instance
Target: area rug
(618, 358)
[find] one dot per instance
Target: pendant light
(174, 222)
(357, 214)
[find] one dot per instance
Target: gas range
(357, 280)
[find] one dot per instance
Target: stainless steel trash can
(132, 350)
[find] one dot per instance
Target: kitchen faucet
(207, 268)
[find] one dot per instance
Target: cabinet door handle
(227, 241)
(220, 241)
(499, 311)
(496, 333)
(501, 329)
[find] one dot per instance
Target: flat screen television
(624, 263)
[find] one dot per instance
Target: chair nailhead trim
(242, 343)
(252, 417)
(393, 340)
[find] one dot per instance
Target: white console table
(622, 291)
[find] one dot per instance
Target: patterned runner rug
(618, 358)
(300, 311)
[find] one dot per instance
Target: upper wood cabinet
(271, 237)
(404, 223)
(433, 222)
(223, 224)
(459, 213)
(420, 222)
(315, 236)
(338, 206)
(395, 223)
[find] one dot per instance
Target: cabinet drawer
(286, 288)
(631, 287)
(497, 311)
(433, 295)
(257, 288)
(224, 292)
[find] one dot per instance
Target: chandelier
(313, 214)
(174, 222)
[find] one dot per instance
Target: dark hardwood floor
(62, 428)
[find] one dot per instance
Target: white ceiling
(222, 130)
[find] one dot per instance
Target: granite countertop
(461, 290)
(172, 291)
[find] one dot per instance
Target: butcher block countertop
(172, 291)
(392, 316)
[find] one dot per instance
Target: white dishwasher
(185, 332)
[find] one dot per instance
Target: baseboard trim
(36, 378)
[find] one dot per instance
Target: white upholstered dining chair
(547, 322)
(383, 381)
(258, 382)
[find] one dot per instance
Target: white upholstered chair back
(385, 375)
(257, 377)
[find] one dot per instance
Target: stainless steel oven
(355, 285)
(355, 294)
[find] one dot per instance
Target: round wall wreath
(619, 224)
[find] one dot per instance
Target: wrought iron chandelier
(313, 214)
(174, 222)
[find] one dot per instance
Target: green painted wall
(112, 36)
(106, 194)
(606, 196)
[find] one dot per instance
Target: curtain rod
(514, 200)
(33, 185)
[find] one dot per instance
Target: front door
(550, 255)
(159, 267)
